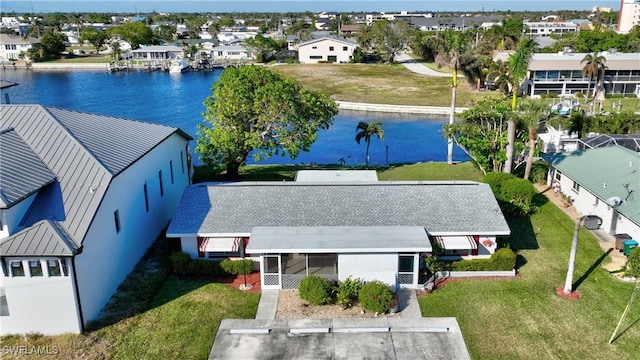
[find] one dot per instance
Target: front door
(332, 58)
(271, 275)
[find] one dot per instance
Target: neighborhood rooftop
(442, 208)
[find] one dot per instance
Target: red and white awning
(220, 244)
(457, 242)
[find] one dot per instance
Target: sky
(145, 6)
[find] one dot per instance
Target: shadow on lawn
(523, 236)
(591, 268)
(625, 330)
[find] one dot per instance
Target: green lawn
(379, 84)
(524, 318)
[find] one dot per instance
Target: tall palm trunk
(511, 134)
(532, 148)
(367, 153)
(454, 91)
(586, 96)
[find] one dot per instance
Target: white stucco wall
(44, 304)
(321, 48)
(11, 217)
(190, 246)
(108, 257)
(369, 267)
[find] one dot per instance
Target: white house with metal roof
(591, 177)
(82, 197)
(373, 230)
(328, 48)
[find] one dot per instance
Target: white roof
(336, 176)
(338, 239)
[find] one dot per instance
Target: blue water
(177, 100)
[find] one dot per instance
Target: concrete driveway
(411, 64)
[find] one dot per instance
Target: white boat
(178, 66)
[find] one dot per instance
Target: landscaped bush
(348, 292)
(539, 172)
(315, 290)
(375, 296)
(502, 260)
(515, 195)
(237, 267)
(179, 262)
(633, 263)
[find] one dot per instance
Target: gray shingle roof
(439, 207)
(85, 151)
(22, 171)
(45, 238)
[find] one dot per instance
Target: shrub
(375, 296)
(515, 195)
(633, 263)
(502, 260)
(237, 267)
(205, 268)
(539, 172)
(180, 262)
(348, 292)
(315, 290)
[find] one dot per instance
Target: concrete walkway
(605, 240)
(411, 64)
(268, 305)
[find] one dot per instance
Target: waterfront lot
(520, 318)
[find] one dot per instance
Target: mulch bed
(253, 279)
(574, 295)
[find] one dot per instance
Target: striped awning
(219, 244)
(457, 242)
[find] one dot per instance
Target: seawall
(408, 109)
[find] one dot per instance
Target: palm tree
(366, 130)
(591, 69)
(531, 112)
(454, 46)
(518, 65)
(499, 75)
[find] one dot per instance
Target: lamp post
(591, 222)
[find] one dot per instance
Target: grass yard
(379, 84)
(524, 318)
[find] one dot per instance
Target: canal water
(177, 100)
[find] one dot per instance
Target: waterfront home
(157, 53)
(230, 52)
(11, 46)
(82, 197)
(373, 230)
(327, 49)
(601, 181)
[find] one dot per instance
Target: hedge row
(183, 265)
(502, 260)
(515, 195)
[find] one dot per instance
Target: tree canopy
(135, 33)
(389, 38)
(255, 111)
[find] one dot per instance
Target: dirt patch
(291, 306)
(237, 282)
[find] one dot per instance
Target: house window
(146, 197)
(331, 48)
(160, 182)
(344, 48)
(171, 170)
(16, 268)
(576, 187)
(558, 175)
(182, 161)
(322, 264)
(405, 263)
(316, 57)
(314, 47)
(116, 220)
(53, 268)
(65, 267)
(35, 268)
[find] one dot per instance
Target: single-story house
(157, 53)
(366, 229)
(598, 178)
(229, 52)
(82, 197)
(330, 49)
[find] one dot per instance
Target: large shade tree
(365, 131)
(518, 65)
(255, 111)
(389, 38)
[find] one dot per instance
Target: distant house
(329, 49)
(82, 197)
(338, 226)
(230, 52)
(11, 46)
(591, 177)
(157, 53)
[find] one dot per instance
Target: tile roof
(85, 151)
(439, 207)
(23, 173)
(605, 172)
(45, 238)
